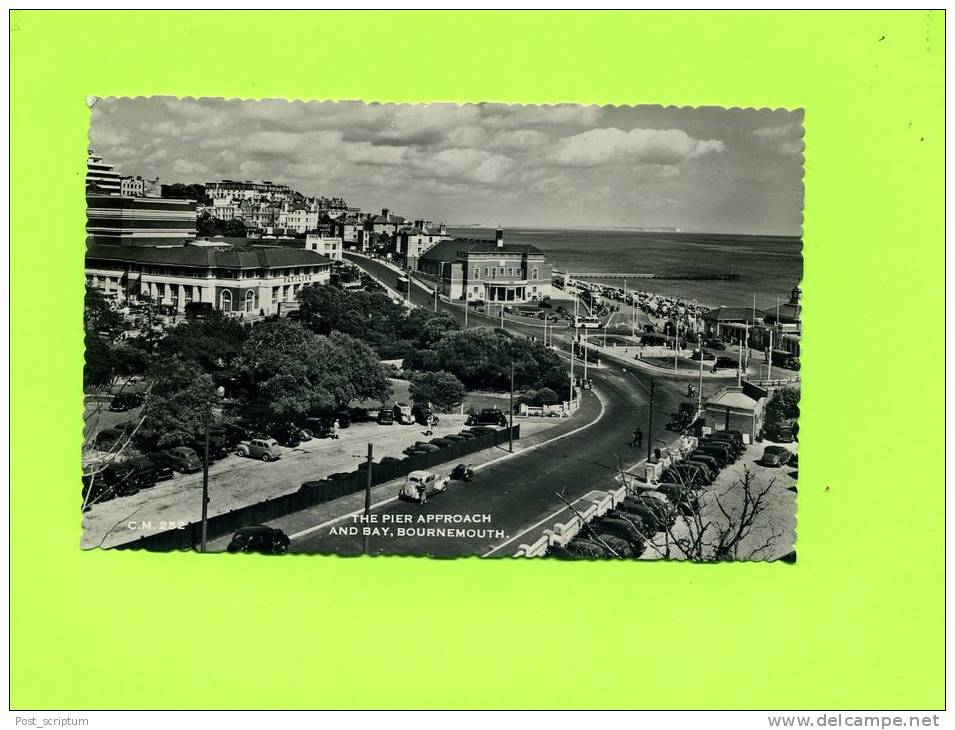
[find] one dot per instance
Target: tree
(441, 389)
(545, 397)
(180, 396)
(213, 341)
(782, 407)
(368, 377)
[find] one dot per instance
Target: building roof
(234, 257)
(788, 312)
(732, 314)
(732, 398)
(452, 249)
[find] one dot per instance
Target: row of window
(491, 272)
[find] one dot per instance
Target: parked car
(264, 449)
(781, 434)
(359, 415)
(707, 471)
(286, 434)
(165, 465)
(467, 435)
(402, 414)
(725, 363)
(126, 401)
(421, 413)
(619, 528)
(687, 474)
(721, 455)
(259, 539)
(724, 442)
(386, 417)
(387, 460)
(481, 430)
(218, 449)
(419, 485)
(775, 456)
(487, 417)
(184, 459)
(422, 447)
(455, 437)
(683, 498)
(714, 343)
(712, 463)
(441, 443)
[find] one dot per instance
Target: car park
(259, 539)
(782, 434)
(775, 456)
(687, 474)
(683, 498)
(266, 449)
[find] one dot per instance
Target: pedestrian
(422, 494)
(429, 426)
(637, 441)
(335, 428)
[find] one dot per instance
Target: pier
(687, 276)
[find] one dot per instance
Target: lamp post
(650, 425)
(510, 429)
(364, 542)
(220, 392)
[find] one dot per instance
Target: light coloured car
(422, 484)
(264, 449)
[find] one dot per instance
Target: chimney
(500, 237)
(384, 212)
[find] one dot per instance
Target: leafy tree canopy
(441, 389)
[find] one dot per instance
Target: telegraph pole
(699, 399)
(650, 426)
(769, 367)
(510, 429)
(585, 355)
(364, 542)
(205, 479)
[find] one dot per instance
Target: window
(486, 272)
(250, 301)
(510, 272)
(477, 272)
(225, 300)
(534, 275)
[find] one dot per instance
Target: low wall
(564, 409)
(310, 494)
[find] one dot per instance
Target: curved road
(516, 493)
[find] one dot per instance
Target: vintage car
(419, 485)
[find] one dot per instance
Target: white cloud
(638, 146)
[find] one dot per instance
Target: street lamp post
(364, 542)
(510, 429)
(650, 426)
(205, 479)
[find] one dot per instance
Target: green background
(857, 623)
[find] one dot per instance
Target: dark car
(467, 435)
(482, 430)
(714, 344)
(165, 466)
(388, 460)
(286, 434)
(344, 418)
(687, 474)
(725, 363)
(721, 455)
(421, 413)
(184, 459)
(782, 434)
(259, 539)
(712, 463)
(684, 498)
(359, 415)
(724, 441)
(702, 464)
(320, 428)
(232, 433)
(441, 443)
(121, 479)
(386, 417)
(487, 417)
(775, 456)
(455, 437)
(218, 449)
(126, 401)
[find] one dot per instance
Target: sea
(768, 266)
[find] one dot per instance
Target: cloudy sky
(706, 169)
